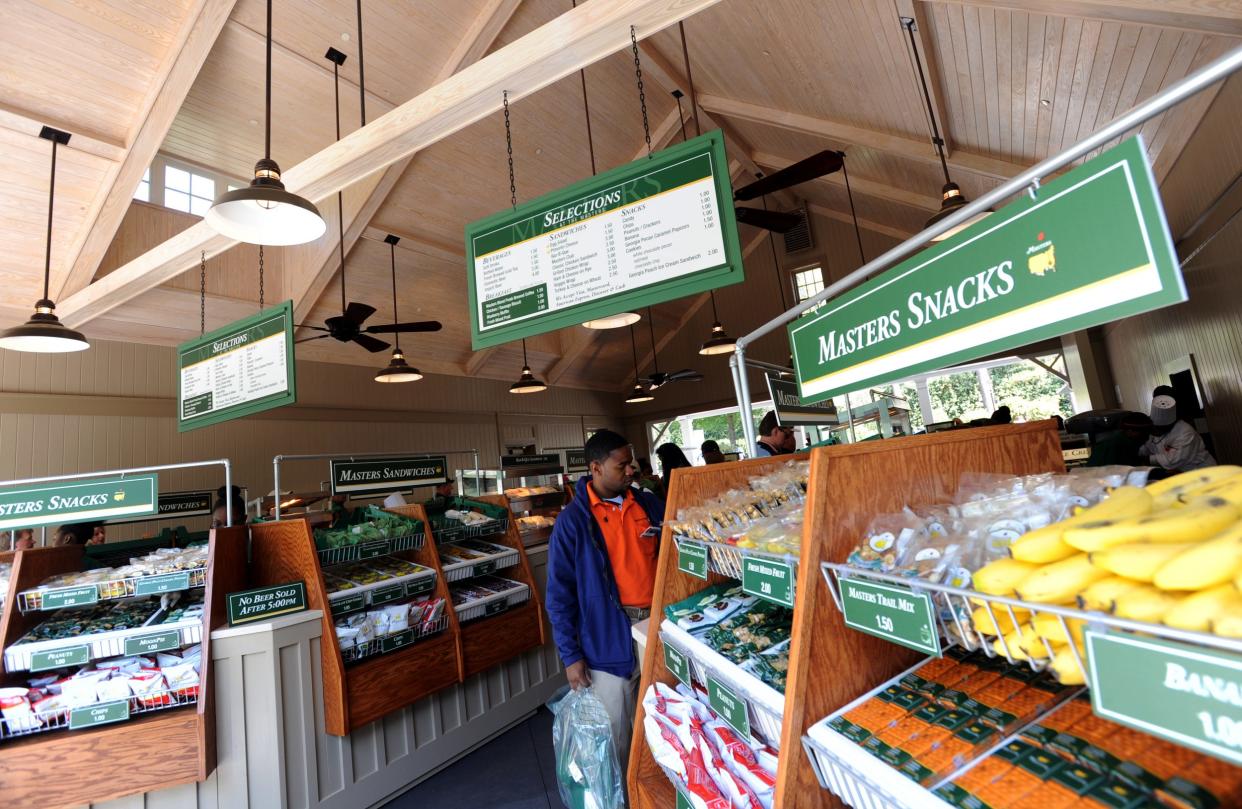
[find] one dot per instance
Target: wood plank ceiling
(785, 78)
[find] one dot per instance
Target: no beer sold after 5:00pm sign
(1089, 247)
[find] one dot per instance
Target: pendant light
(397, 370)
(264, 212)
(44, 333)
(639, 394)
(951, 197)
(720, 342)
(617, 321)
(527, 383)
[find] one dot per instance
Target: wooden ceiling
(1012, 83)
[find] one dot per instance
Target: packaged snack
(182, 680)
(49, 708)
(16, 709)
(150, 688)
(114, 688)
(398, 617)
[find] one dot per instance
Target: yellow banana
(983, 620)
(1065, 666)
(1228, 622)
(1019, 642)
(1047, 544)
(1228, 489)
(1196, 611)
(1043, 545)
(1145, 603)
(1180, 525)
(1124, 501)
(1138, 561)
(1060, 581)
(1101, 595)
(1204, 564)
(1000, 577)
(1048, 627)
(1166, 492)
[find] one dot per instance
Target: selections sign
(1190, 695)
(791, 411)
(729, 705)
(576, 460)
(179, 504)
(890, 612)
(651, 231)
(692, 558)
(388, 475)
(768, 579)
(266, 602)
(243, 368)
(78, 501)
(1092, 247)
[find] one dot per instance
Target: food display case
(536, 488)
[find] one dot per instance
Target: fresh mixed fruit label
(1191, 695)
(768, 579)
(894, 613)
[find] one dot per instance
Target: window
(144, 187)
(188, 191)
(808, 283)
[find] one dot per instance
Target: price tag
(420, 586)
(894, 613)
(493, 607)
(692, 558)
(682, 801)
(153, 642)
(729, 705)
(383, 595)
(102, 714)
(397, 641)
(348, 604)
(374, 549)
(1186, 694)
(59, 658)
(166, 583)
(676, 663)
(69, 597)
(770, 580)
(483, 568)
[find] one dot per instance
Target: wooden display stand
(144, 754)
(830, 664)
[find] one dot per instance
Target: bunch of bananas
(1169, 553)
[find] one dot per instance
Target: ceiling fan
(657, 378)
(805, 170)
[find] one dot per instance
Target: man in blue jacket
(601, 577)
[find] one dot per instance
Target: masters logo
(1041, 258)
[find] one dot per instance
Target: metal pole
(228, 493)
(276, 480)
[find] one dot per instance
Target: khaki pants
(620, 697)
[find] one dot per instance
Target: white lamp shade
(617, 321)
(269, 216)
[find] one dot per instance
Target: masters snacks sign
(1087, 248)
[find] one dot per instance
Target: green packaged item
(1078, 779)
(1118, 795)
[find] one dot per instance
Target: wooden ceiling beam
(165, 95)
(850, 135)
(866, 224)
(420, 244)
(575, 39)
(94, 143)
(1205, 17)
(863, 186)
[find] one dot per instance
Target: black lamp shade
(719, 343)
(638, 395)
(265, 213)
(952, 199)
(43, 333)
(527, 383)
(398, 371)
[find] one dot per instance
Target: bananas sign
(1091, 246)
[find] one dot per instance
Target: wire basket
(370, 550)
(99, 714)
(860, 780)
(395, 641)
(54, 598)
(471, 568)
(731, 561)
(117, 643)
(487, 607)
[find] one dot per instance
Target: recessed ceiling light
(345, 36)
(538, 150)
(767, 53)
(1043, 102)
(254, 122)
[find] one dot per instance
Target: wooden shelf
(830, 664)
(144, 754)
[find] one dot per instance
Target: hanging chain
(202, 293)
(260, 278)
(509, 149)
(642, 96)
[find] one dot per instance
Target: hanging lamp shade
(719, 343)
(43, 333)
(398, 370)
(638, 395)
(952, 199)
(617, 321)
(264, 212)
(527, 383)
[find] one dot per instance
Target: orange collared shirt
(633, 556)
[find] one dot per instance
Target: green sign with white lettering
(165, 583)
(1191, 695)
(72, 501)
(347, 604)
(153, 642)
(243, 368)
(1091, 246)
(386, 595)
(732, 708)
(676, 663)
(894, 613)
(770, 580)
(375, 476)
(682, 801)
(69, 597)
(104, 713)
(576, 460)
(178, 504)
(396, 641)
(654, 230)
(417, 587)
(59, 658)
(266, 602)
(692, 558)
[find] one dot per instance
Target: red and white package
(767, 758)
(700, 787)
(741, 759)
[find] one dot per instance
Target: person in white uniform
(1174, 445)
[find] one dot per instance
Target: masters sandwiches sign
(388, 475)
(1090, 247)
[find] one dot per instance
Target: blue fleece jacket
(582, 599)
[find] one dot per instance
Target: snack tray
(727, 560)
(112, 589)
(60, 720)
(953, 607)
(479, 567)
(766, 705)
(412, 584)
(19, 656)
(860, 779)
(371, 549)
(493, 604)
(395, 641)
(447, 530)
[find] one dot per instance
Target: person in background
(711, 453)
(1001, 415)
(671, 457)
(447, 489)
(23, 539)
(601, 579)
(1174, 445)
(1060, 421)
(225, 497)
(647, 478)
(1122, 445)
(773, 438)
(82, 533)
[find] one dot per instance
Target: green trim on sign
(897, 614)
(677, 664)
(692, 558)
(377, 476)
(73, 501)
(263, 603)
(526, 310)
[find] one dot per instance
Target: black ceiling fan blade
(316, 337)
(768, 220)
(685, 374)
(405, 328)
(309, 326)
(817, 165)
(356, 312)
(370, 343)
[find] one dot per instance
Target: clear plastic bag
(587, 768)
